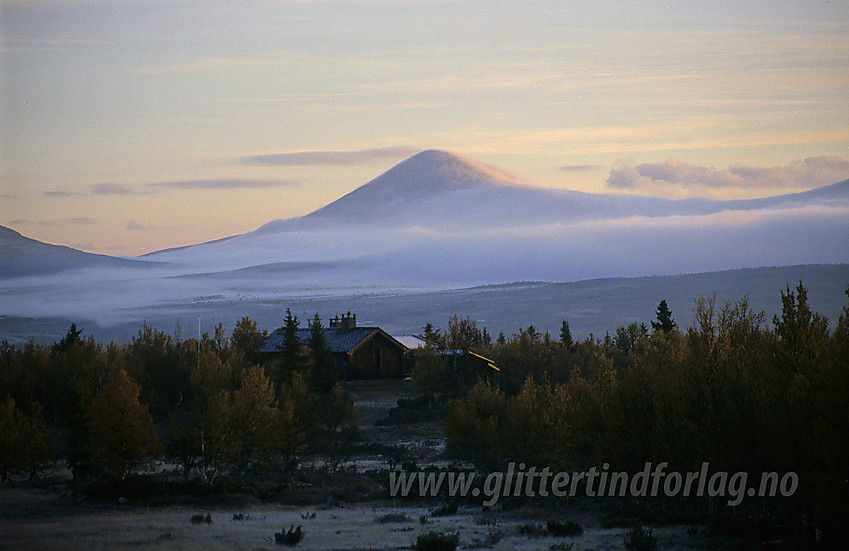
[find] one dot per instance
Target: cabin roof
(340, 341)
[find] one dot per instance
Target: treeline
(728, 390)
(209, 405)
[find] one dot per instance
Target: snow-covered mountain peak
(423, 176)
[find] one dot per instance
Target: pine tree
(432, 336)
(664, 321)
(71, 338)
(323, 374)
(290, 350)
(566, 335)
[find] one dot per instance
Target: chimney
(346, 323)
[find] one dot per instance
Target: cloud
(579, 168)
(672, 173)
(80, 221)
(51, 223)
(222, 184)
(302, 158)
(111, 189)
(60, 193)
(132, 225)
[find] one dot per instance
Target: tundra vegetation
(731, 390)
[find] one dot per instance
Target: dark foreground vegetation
(729, 390)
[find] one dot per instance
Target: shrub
(392, 517)
(640, 539)
(491, 540)
(436, 541)
(563, 529)
(291, 538)
(200, 518)
(531, 530)
(446, 510)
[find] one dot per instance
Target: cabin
(465, 366)
(361, 352)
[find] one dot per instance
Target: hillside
(441, 219)
(442, 191)
(23, 256)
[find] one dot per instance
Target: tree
(832, 454)
(185, 442)
(23, 441)
(474, 426)
(626, 337)
(71, 338)
(802, 334)
(291, 351)
(566, 335)
(664, 321)
(78, 420)
(463, 334)
(123, 429)
(537, 428)
(338, 426)
(154, 363)
(323, 374)
(431, 336)
(253, 418)
(430, 372)
(801, 379)
(297, 419)
(248, 339)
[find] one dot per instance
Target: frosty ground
(50, 517)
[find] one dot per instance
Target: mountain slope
(440, 219)
(424, 175)
(446, 192)
(23, 256)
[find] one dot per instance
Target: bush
(200, 518)
(640, 539)
(436, 541)
(491, 540)
(392, 517)
(290, 538)
(446, 510)
(531, 530)
(418, 409)
(563, 529)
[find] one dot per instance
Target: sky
(128, 127)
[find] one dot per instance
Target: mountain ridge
(30, 256)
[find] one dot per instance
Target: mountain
(24, 256)
(441, 219)
(442, 190)
(428, 174)
(446, 192)
(434, 225)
